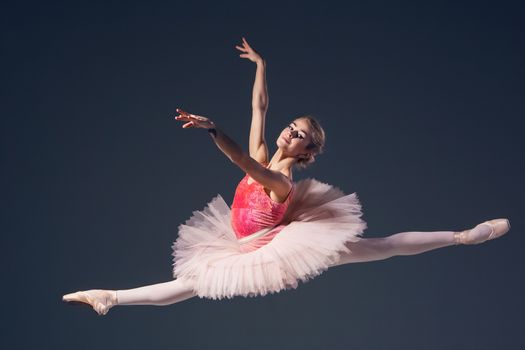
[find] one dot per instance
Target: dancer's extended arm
(274, 180)
(257, 146)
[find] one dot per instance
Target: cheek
(296, 147)
(301, 143)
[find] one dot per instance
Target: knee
(385, 247)
(369, 249)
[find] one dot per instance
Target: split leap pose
(276, 232)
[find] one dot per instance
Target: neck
(281, 161)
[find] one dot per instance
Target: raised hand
(195, 121)
(249, 52)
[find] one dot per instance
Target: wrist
(261, 62)
(212, 131)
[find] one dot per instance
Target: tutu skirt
(208, 257)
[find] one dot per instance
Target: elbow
(261, 106)
(238, 158)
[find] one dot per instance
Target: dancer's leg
(404, 243)
(156, 294)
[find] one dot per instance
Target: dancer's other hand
(249, 52)
(195, 121)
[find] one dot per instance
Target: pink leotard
(252, 209)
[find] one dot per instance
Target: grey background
(422, 103)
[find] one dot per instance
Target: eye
(291, 128)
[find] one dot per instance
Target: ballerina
(276, 232)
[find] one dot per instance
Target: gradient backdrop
(423, 105)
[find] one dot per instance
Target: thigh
(366, 249)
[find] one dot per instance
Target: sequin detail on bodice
(252, 209)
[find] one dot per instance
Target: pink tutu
(209, 256)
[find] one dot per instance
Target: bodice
(253, 209)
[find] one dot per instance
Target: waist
(247, 221)
(258, 234)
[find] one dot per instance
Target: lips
(285, 140)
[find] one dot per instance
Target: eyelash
(290, 127)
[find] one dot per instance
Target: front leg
(403, 243)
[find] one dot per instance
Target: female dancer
(276, 232)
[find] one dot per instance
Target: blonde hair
(316, 146)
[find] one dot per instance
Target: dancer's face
(294, 138)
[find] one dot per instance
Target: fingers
(190, 119)
(183, 115)
(183, 112)
(245, 46)
(246, 43)
(184, 119)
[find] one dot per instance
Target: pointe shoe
(498, 228)
(100, 300)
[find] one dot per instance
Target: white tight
(155, 294)
(404, 243)
(367, 249)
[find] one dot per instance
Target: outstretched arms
(274, 180)
(258, 148)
